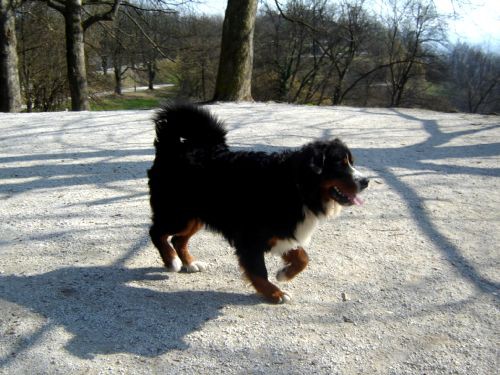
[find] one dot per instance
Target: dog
(259, 202)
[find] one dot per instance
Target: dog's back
(186, 136)
(196, 175)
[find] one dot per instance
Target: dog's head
(328, 168)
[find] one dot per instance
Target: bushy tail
(189, 127)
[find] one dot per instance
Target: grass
(133, 100)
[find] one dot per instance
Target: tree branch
(105, 16)
(151, 41)
(293, 20)
(54, 4)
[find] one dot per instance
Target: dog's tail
(188, 127)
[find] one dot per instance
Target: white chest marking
(302, 235)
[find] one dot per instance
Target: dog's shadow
(116, 310)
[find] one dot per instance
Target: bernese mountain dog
(259, 202)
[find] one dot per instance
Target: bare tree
(298, 46)
(413, 26)
(43, 81)
(340, 41)
(110, 43)
(197, 56)
(77, 19)
(10, 89)
(234, 77)
(152, 32)
(136, 43)
(120, 68)
(79, 16)
(346, 42)
(282, 49)
(475, 75)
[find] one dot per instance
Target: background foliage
(306, 51)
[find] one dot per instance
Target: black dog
(259, 202)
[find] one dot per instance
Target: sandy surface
(406, 284)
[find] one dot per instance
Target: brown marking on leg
(296, 261)
(267, 289)
(257, 274)
(180, 241)
(167, 252)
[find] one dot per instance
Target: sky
(477, 21)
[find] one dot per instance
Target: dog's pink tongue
(356, 200)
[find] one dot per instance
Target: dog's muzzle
(362, 183)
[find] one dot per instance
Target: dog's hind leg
(296, 261)
(255, 270)
(167, 252)
(180, 242)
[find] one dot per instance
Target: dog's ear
(317, 162)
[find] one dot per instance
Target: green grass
(128, 101)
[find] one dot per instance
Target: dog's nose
(363, 183)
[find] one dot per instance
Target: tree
(474, 76)
(234, 77)
(348, 45)
(287, 52)
(413, 26)
(140, 39)
(336, 53)
(75, 26)
(152, 30)
(110, 43)
(197, 57)
(10, 89)
(43, 79)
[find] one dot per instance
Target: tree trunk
(75, 55)
(10, 89)
(118, 79)
(234, 77)
(203, 84)
(151, 74)
(117, 70)
(104, 65)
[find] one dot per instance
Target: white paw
(196, 266)
(285, 298)
(175, 265)
(281, 275)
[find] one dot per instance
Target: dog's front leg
(295, 262)
(255, 270)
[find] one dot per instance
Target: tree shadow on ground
(72, 169)
(115, 310)
(417, 157)
(148, 322)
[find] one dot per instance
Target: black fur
(248, 197)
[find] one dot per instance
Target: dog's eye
(339, 165)
(348, 161)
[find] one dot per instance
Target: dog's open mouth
(344, 198)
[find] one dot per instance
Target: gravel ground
(406, 284)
